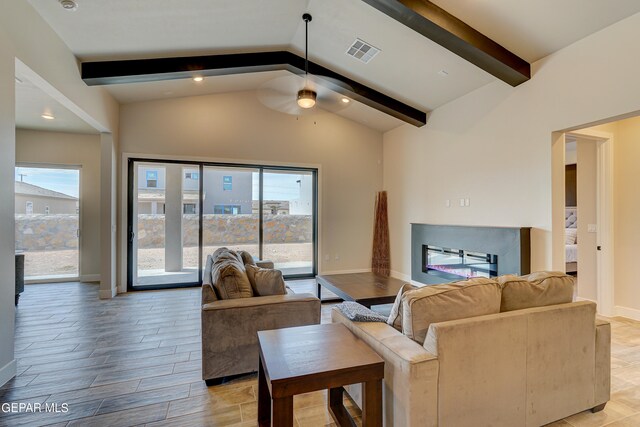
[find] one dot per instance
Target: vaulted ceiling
(409, 67)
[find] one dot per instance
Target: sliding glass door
(164, 224)
(179, 213)
(288, 220)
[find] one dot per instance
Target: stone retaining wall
(228, 229)
(57, 232)
(40, 232)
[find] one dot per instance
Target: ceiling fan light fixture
(307, 98)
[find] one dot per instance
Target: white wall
(237, 127)
(494, 144)
(57, 148)
(25, 36)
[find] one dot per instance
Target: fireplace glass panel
(454, 263)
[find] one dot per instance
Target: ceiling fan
(303, 94)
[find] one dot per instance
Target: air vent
(362, 51)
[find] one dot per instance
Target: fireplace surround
(459, 251)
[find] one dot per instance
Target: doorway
(47, 221)
(181, 212)
(591, 219)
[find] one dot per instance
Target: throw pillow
(536, 290)
(266, 281)
(570, 236)
(229, 277)
(395, 317)
(246, 257)
(359, 313)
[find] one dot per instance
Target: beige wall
(587, 214)
(25, 36)
(237, 127)
(494, 144)
(57, 148)
(7, 178)
(626, 214)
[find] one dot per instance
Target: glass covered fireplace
(454, 264)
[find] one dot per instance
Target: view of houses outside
(47, 221)
(230, 217)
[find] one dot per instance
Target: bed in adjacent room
(571, 239)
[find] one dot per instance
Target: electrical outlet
(592, 228)
(327, 257)
(337, 257)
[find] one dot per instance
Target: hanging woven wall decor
(381, 258)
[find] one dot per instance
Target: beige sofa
(230, 326)
(524, 367)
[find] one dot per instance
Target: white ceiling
(406, 69)
(32, 102)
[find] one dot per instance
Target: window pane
(288, 207)
(47, 221)
(228, 213)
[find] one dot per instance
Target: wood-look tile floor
(135, 360)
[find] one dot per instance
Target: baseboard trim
(7, 372)
(107, 293)
(585, 299)
(629, 313)
(406, 278)
(90, 278)
(361, 270)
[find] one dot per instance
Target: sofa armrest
(264, 263)
(410, 373)
(603, 362)
(230, 329)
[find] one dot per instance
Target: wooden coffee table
(310, 358)
(365, 288)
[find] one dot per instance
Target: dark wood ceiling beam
(451, 33)
(156, 69)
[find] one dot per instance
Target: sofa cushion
(449, 301)
(395, 317)
(265, 281)
(246, 257)
(228, 275)
(535, 290)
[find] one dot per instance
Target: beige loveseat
(523, 367)
(233, 311)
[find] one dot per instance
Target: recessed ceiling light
(18, 80)
(198, 79)
(345, 100)
(47, 116)
(443, 73)
(69, 5)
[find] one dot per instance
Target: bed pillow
(570, 236)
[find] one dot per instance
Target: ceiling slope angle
(430, 52)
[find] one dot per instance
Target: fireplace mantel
(512, 245)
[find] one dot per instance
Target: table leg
(282, 412)
(372, 403)
(264, 398)
(337, 409)
(319, 292)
